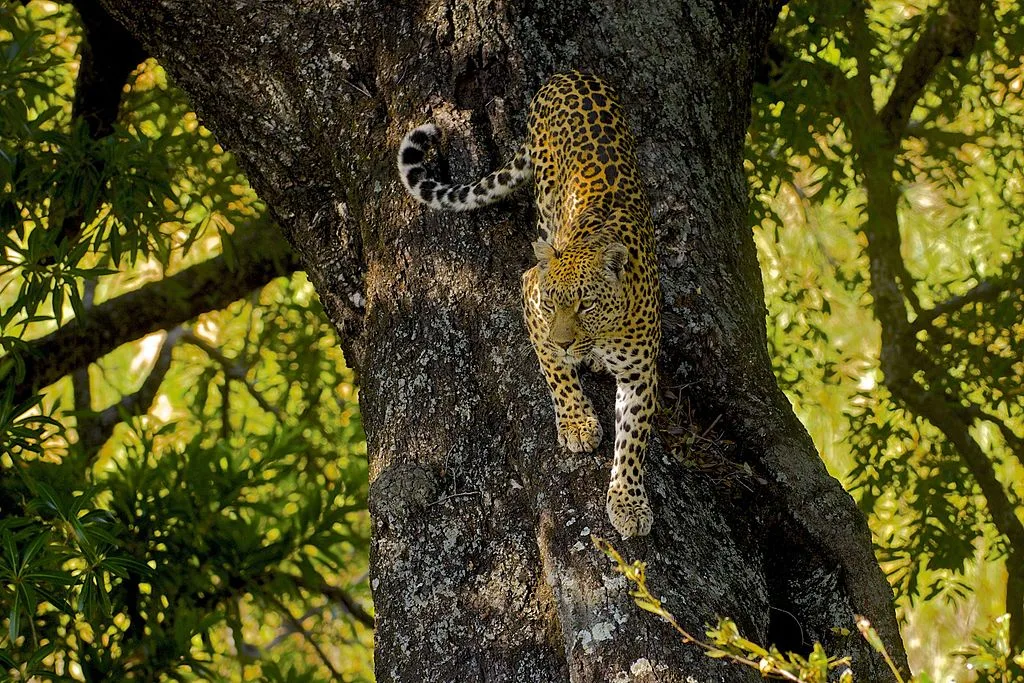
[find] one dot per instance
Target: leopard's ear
(615, 257)
(544, 252)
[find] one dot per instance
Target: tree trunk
(482, 565)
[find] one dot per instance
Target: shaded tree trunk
(482, 566)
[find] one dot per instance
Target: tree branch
(80, 385)
(297, 625)
(96, 431)
(892, 285)
(951, 34)
(988, 289)
(955, 422)
(288, 629)
(261, 254)
(337, 595)
(108, 56)
(946, 416)
(233, 371)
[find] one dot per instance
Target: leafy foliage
(217, 527)
(223, 516)
(724, 640)
(991, 655)
(956, 175)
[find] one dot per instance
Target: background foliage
(885, 158)
(191, 504)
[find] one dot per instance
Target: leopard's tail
(425, 188)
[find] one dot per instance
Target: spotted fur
(490, 189)
(593, 297)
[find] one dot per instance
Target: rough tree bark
(482, 566)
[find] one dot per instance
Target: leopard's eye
(546, 305)
(587, 305)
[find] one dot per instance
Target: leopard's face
(580, 295)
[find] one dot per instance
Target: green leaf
(14, 615)
(33, 549)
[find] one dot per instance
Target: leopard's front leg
(575, 419)
(635, 402)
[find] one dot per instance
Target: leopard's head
(580, 293)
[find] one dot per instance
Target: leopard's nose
(564, 344)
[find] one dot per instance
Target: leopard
(592, 299)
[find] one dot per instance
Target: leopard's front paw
(629, 510)
(579, 434)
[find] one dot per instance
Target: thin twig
(297, 625)
(986, 290)
(358, 88)
(338, 595)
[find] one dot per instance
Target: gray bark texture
(482, 566)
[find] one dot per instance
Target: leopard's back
(583, 156)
